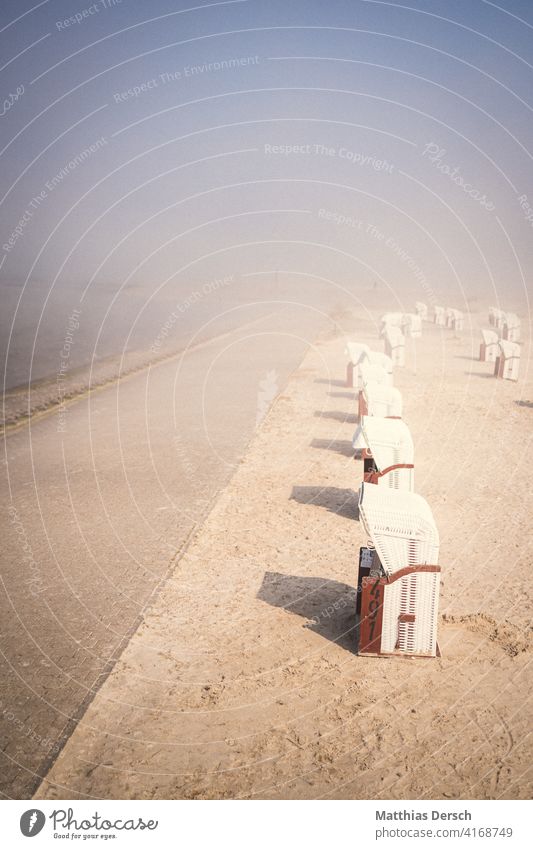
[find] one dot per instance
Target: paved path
(99, 502)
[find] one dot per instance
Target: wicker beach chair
(421, 310)
(489, 348)
(390, 319)
(439, 316)
(511, 327)
(377, 399)
(400, 590)
(354, 350)
(394, 342)
(377, 358)
(412, 325)
(458, 321)
(496, 318)
(373, 373)
(388, 452)
(507, 363)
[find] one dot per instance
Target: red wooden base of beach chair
(349, 375)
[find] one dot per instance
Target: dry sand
(242, 680)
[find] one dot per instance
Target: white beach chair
(489, 348)
(400, 592)
(354, 350)
(394, 342)
(439, 316)
(377, 358)
(507, 363)
(412, 325)
(376, 399)
(511, 327)
(454, 319)
(388, 452)
(421, 310)
(373, 373)
(390, 319)
(496, 318)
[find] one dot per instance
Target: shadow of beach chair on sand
(339, 446)
(342, 502)
(329, 606)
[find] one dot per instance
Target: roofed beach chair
(412, 325)
(454, 319)
(496, 318)
(489, 348)
(388, 452)
(507, 363)
(394, 342)
(399, 576)
(511, 327)
(439, 316)
(457, 320)
(390, 319)
(421, 310)
(355, 351)
(374, 373)
(377, 358)
(377, 399)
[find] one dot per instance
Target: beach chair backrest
(490, 337)
(355, 350)
(401, 527)
(379, 359)
(373, 373)
(510, 350)
(388, 440)
(383, 400)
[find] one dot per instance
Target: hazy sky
(169, 143)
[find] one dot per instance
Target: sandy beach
(242, 680)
